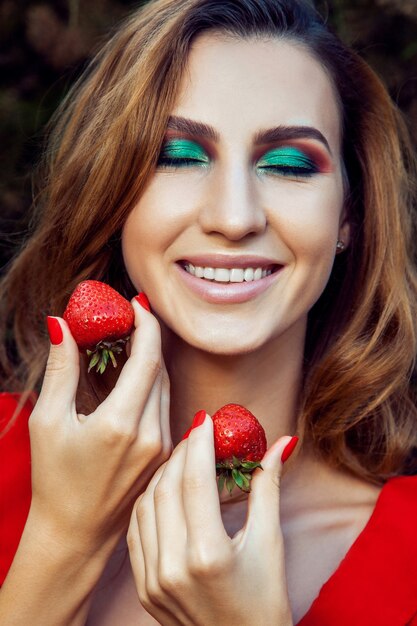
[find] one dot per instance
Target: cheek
(164, 208)
(308, 225)
(149, 221)
(307, 220)
(158, 219)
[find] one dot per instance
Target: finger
(144, 535)
(130, 393)
(172, 531)
(149, 427)
(200, 494)
(134, 545)
(137, 560)
(62, 372)
(154, 425)
(146, 523)
(164, 410)
(263, 520)
(172, 535)
(169, 516)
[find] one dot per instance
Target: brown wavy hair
(357, 405)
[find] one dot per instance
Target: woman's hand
(87, 471)
(188, 571)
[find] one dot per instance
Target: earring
(340, 246)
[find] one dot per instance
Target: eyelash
(293, 171)
(179, 162)
(284, 170)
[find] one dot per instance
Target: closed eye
(284, 160)
(182, 153)
(288, 161)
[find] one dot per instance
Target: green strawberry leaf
(246, 478)
(94, 360)
(237, 477)
(220, 483)
(251, 465)
(242, 481)
(230, 483)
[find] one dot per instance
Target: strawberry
(239, 444)
(100, 320)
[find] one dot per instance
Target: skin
(92, 474)
(87, 471)
(235, 206)
(186, 550)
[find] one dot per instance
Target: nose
(232, 207)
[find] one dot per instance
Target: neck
(266, 381)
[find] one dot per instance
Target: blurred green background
(45, 45)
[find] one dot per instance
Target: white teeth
(220, 275)
(237, 275)
(257, 273)
(224, 275)
(248, 274)
(208, 272)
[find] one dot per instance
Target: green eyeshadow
(288, 157)
(183, 149)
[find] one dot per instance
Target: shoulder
(384, 563)
(15, 474)
(376, 581)
(14, 438)
(393, 525)
(398, 501)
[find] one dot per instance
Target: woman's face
(249, 177)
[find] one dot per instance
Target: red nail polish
(186, 434)
(54, 330)
(143, 301)
(289, 448)
(199, 418)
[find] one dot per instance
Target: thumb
(62, 368)
(263, 513)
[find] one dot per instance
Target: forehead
(243, 85)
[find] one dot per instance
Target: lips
(227, 292)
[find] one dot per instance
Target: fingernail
(198, 419)
(143, 301)
(186, 434)
(54, 330)
(289, 448)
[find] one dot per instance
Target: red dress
(15, 486)
(374, 585)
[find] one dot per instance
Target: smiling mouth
(229, 275)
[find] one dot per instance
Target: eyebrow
(270, 135)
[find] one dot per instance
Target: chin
(225, 345)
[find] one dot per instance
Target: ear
(344, 228)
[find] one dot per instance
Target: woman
(209, 138)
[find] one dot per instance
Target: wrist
(68, 541)
(52, 575)
(287, 619)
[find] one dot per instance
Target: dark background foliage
(45, 45)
